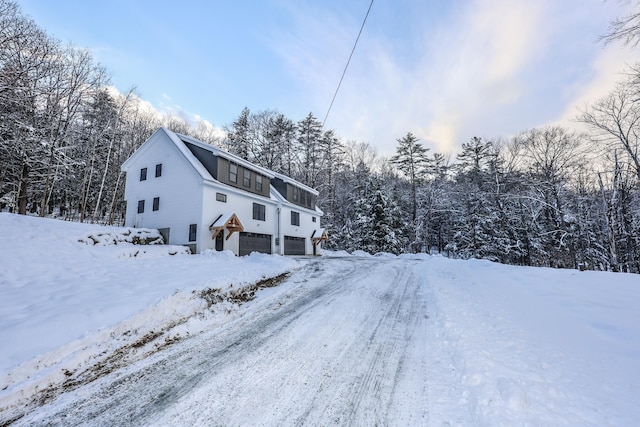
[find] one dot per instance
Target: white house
(205, 198)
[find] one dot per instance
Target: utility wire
(347, 66)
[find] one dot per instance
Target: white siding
(305, 229)
(240, 203)
(179, 189)
(187, 195)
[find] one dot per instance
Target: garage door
(294, 245)
(254, 242)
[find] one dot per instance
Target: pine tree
(239, 136)
(411, 159)
(309, 141)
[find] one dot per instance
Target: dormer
(231, 170)
(295, 193)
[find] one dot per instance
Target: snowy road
(343, 343)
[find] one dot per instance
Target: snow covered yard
(74, 295)
(409, 340)
(532, 346)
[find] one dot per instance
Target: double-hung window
(233, 172)
(140, 206)
(143, 174)
(258, 212)
(158, 170)
(246, 178)
(259, 183)
(156, 203)
(295, 218)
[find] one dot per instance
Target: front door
(220, 241)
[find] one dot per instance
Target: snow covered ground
(409, 340)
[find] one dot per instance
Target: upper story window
(221, 197)
(295, 194)
(233, 172)
(140, 206)
(156, 203)
(158, 170)
(246, 178)
(143, 174)
(259, 183)
(295, 218)
(258, 212)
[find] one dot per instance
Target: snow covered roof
(180, 141)
(292, 181)
(225, 155)
(222, 220)
(319, 234)
(230, 221)
(199, 167)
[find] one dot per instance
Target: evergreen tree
(411, 159)
(239, 136)
(309, 141)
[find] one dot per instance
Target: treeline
(63, 132)
(546, 197)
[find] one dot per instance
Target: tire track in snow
(331, 349)
(167, 376)
(384, 342)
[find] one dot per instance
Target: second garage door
(254, 242)
(294, 245)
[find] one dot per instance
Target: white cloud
(482, 70)
(464, 71)
(490, 68)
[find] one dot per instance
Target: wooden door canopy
(319, 235)
(229, 221)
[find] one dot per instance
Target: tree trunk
(22, 193)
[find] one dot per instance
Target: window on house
(295, 218)
(295, 194)
(247, 179)
(140, 206)
(193, 228)
(143, 174)
(302, 197)
(158, 170)
(258, 212)
(156, 203)
(313, 219)
(233, 172)
(221, 197)
(259, 183)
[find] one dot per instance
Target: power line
(347, 65)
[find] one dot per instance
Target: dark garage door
(294, 245)
(254, 242)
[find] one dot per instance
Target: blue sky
(443, 70)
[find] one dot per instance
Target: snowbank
(532, 346)
(71, 293)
